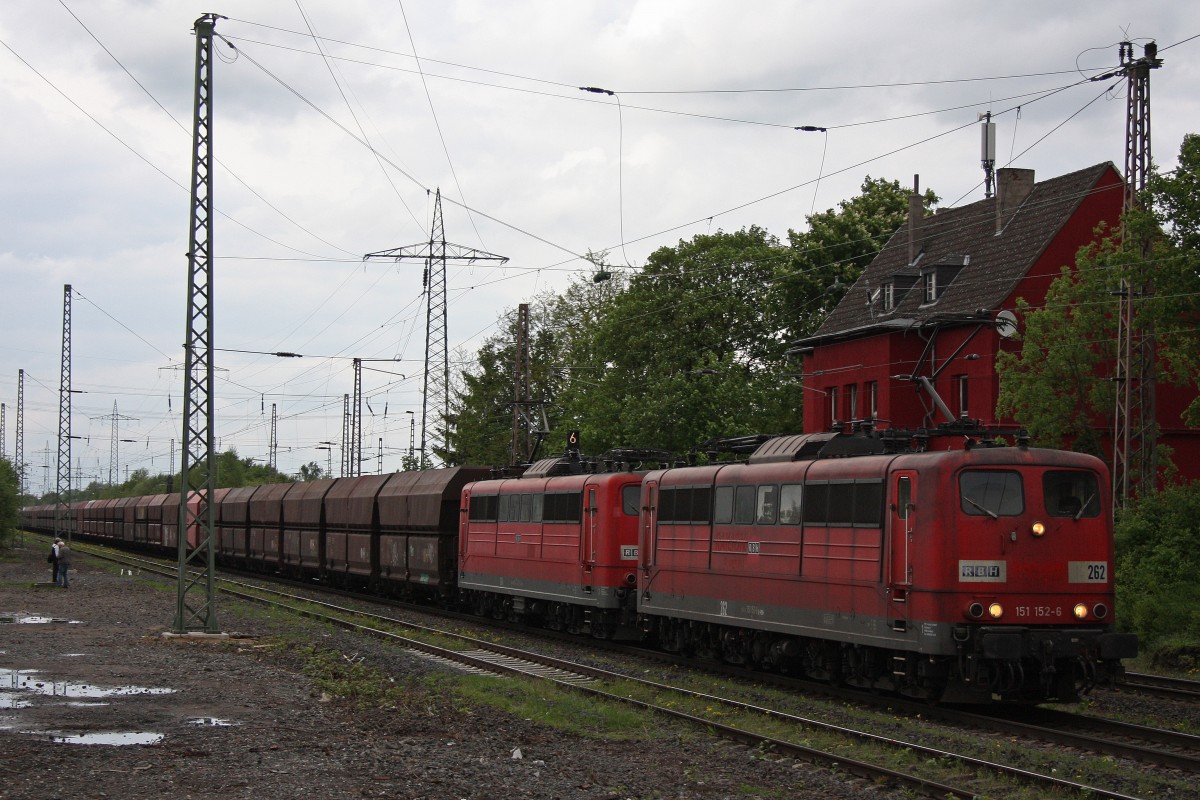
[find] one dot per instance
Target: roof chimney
(916, 217)
(1012, 187)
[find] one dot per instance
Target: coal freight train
(982, 574)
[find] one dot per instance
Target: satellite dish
(1006, 323)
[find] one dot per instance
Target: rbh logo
(980, 571)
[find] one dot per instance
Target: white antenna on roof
(987, 151)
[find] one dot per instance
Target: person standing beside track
(64, 563)
(53, 559)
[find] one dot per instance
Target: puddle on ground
(27, 680)
(11, 700)
(16, 619)
(213, 722)
(112, 738)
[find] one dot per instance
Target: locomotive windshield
(1071, 493)
(992, 493)
(631, 499)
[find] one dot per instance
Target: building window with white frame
(931, 286)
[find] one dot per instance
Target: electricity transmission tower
(435, 402)
(19, 442)
(113, 462)
(196, 599)
(1135, 426)
(63, 487)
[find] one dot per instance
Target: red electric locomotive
(558, 550)
(963, 575)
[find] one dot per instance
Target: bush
(8, 502)
(1158, 595)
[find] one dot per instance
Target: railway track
(957, 776)
(1161, 686)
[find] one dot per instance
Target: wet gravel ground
(240, 719)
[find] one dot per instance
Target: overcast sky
(336, 119)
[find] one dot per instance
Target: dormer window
(931, 286)
(938, 276)
(894, 289)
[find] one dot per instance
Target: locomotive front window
(991, 493)
(630, 495)
(483, 508)
(1070, 493)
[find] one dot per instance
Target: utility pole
(355, 461)
(195, 608)
(1135, 418)
(274, 446)
(3, 433)
(345, 436)
(113, 468)
(19, 443)
(520, 430)
(412, 432)
(435, 253)
(62, 490)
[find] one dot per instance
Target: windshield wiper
(1083, 507)
(987, 511)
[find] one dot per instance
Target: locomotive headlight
(1038, 529)
(975, 610)
(996, 610)
(1080, 611)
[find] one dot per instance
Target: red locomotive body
(959, 575)
(560, 551)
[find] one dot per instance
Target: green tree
(561, 332)
(310, 472)
(1157, 595)
(693, 349)
(9, 508)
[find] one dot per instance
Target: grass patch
(363, 686)
(554, 707)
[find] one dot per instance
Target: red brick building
(939, 301)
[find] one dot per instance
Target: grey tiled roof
(996, 262)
